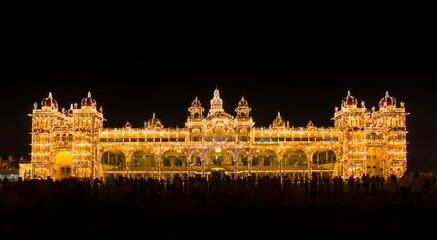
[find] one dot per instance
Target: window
(208, 139)
(195, 139)
(219, 139)
(244, 138)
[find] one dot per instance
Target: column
(188, 161)
(249, 163)
(236, 168)
(158, 165)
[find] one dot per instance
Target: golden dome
(387, 101)
(279, 121)
(349, 101)
(88, 102)
(154, 122)
(49, 103)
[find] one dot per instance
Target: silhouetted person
(313, 189)
(392, 188)
(405, 188)
(351, 184)
(417, 186)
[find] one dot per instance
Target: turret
(196, 110)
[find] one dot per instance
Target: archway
(219, 135)
(295, 159)
(196, 159)
(173, 158)
(324, 159)
(63, 165)
(113, 160)
(219, 158)
(243, 159)
(142, 160)
(265, 158)
(374, 162)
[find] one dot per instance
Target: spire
(216, 103)
(216, 93)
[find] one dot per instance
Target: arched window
(244, 161)
(255, 161)
(166, 162)
(178, 162)
(266, 161)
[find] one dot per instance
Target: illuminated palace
(74, 143)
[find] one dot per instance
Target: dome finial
(89, 94)
(216, 93)
(386, 94)
(348, 93)
(50, 95)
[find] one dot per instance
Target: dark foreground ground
(343, 216)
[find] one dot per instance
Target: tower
(391, 120)
(196, 110)
(351, 121)
(44, 138)
(216, 103)
(87, 123)
(64, 143)
(243, 120)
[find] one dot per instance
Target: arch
(173, 158)
(142, 160)
(219, 134)
(196, 135)
(219, 157)
(63, 165)
(112, 160)
(243, 159)
(244, 135)
(266, 158)
(324, 159)
(374, 162)
(196, 158)
(295, 159)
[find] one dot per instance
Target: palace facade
(74, 143)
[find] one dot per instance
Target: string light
(357, 132)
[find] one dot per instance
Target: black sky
(303, 72)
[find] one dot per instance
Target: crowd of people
(220, 192)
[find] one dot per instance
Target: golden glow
(362, 141)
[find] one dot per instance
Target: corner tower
(351, 121)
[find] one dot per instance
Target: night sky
(303, 73)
